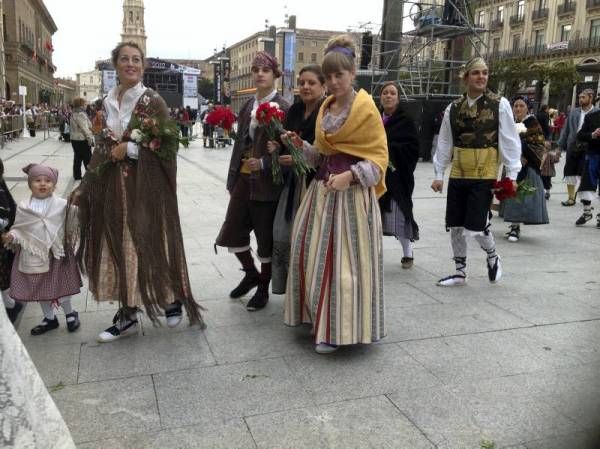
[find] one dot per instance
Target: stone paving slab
(100, 410)
(145, 355)
(516, 364)
(359, 372)
(371, 422)
(230, 434)
(205, 395)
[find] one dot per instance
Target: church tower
(133, 23)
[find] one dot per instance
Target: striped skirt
(335, 280)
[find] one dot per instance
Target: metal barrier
(11, 127)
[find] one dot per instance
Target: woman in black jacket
(403, 146)
(301, 119)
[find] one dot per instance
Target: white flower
(136, 135)
(521, 128)
(253, 120)
(273, 104)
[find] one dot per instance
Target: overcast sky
(89, 29)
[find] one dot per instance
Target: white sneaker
(324, 348)
(174, 315)
(120, 328)
(451, 281)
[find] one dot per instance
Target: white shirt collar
(118, 116)
(471, 101)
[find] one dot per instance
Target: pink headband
(264, 59)
(35, 170)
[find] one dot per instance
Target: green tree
(206, 88)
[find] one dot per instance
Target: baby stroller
(220, 139)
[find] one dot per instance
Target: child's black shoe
(72, 321)
(45, 326)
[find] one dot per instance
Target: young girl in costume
(42, 271)
(335, 279)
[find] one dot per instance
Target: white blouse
(118, 116)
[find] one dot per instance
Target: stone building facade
(544, 31)
(27, 31)
(88, 85)
(310, 48)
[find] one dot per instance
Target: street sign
(22, 90)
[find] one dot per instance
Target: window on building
(300, 56)
(541, 4)
(565, 32)
(538, 39)
(500, 14)
(496, 45)
(300, 42)
(130, 16)
(595, 32)
(521, 9)
(516, 42)
(313, 58)
(315, 44)
(481, 19)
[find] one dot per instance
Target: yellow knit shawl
(362, 135)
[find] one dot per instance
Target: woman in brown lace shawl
(130, 245)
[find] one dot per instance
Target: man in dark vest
(254, 196)
(590, 178)
(477, 133)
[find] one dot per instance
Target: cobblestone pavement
(514, 364)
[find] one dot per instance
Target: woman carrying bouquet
(131, 246)
(403, 145)
(532, 208)
(254, 195)
(301, 119)
(335, 281)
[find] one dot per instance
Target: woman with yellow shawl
(335, 280)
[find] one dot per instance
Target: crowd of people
(319, 234)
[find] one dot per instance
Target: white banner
(190, 85)
(109, 80)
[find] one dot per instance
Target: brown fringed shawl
(144, 194)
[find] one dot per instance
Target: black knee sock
(247, 261)
(265, 272)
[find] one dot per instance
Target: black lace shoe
(495, 270)
(585, 217)
(72, 321)
(249, 281)
(13, 313)
(514, 233)
(123, 325)
(260, 298)
(45, 326)
(598, 221)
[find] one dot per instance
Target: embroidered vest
(475, 126)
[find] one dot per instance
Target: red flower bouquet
(269, 116)
(223, 118)
(505, 190)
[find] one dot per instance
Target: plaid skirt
(62, 279)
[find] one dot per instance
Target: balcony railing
(542, 13)
(574, 45)
(592, 4)
(518, 19)
(496, 24)
(566, 8)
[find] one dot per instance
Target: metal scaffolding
(425, 61)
